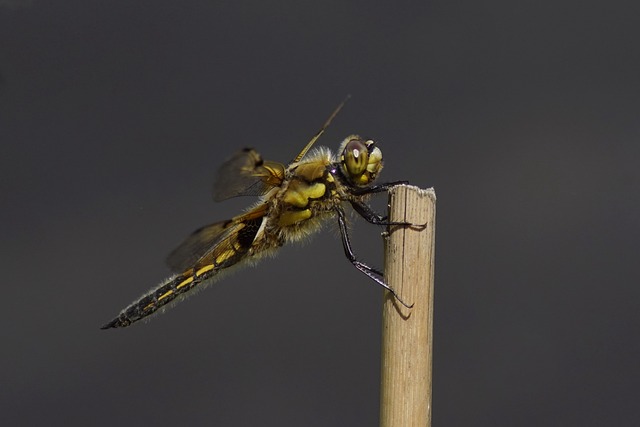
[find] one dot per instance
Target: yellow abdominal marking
(182, 284)
(204, 269)
(163, 296)
(188, 280)
(222, 257)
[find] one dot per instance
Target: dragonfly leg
(373, 217)
(379, 188)
(370, 215)
(374, 274)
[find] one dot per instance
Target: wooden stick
(407, 334)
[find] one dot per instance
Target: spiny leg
(365, 210)
(373, 217)
(370, 215)
(374, 274)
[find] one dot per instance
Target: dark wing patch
(199, 243)
(209, 243)
(247, 174)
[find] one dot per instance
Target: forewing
(246, 174)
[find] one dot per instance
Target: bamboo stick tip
(429, 192)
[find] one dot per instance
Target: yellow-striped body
(295, 200)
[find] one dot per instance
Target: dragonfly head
(360, 160)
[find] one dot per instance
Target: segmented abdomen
(162, 295)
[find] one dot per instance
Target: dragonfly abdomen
(167, 292)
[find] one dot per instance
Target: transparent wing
(222, 244)
(246, 174)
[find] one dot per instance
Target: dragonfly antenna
(321, 131)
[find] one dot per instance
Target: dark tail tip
(115, 323)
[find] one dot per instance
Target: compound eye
(355, 157)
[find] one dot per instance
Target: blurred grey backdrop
(523, 115)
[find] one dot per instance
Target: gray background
(523, 115)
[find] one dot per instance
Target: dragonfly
(295, 201)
